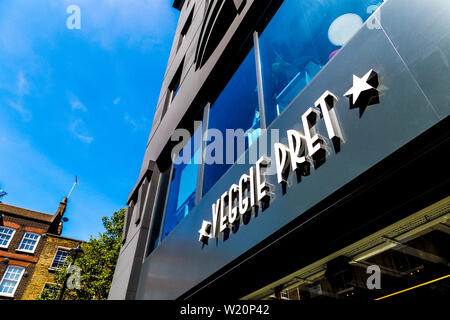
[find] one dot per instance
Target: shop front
(341, 188)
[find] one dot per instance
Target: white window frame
(284, 294)
(17, 283)
(23, 238)
(12, 235)
(59, 248)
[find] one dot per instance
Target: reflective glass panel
(183, 184)
(236, 108)
(418, 268)
(408, 259)
(300, 39)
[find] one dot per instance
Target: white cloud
(26, 114)
(78, 130)
(129, 120)
(27, 24)
(19, 91)
(85, 139)
(22, 84)
(134, 22)
(77, 105)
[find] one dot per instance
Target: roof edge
(65, 238)
(31, 214)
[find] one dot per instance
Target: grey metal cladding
(216, 22)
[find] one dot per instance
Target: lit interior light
(343, 28)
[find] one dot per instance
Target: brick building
(31, 249)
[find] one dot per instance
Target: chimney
(56, 224)
(62, 207)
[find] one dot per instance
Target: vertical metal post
(201, 169)
(142, 195)
(259, 81)
(163, 218)
(138, 207)
(153, 217)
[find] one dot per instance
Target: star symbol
(361, 85)
(205, 232)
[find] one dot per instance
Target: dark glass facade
(299, 41)
(182, 185)
(236, 109)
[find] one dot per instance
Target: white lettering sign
(302, 150)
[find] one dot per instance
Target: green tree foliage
(97, 264)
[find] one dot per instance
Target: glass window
(183, 184)
(416, 269)
(173, 88)
(50, 290)
(285, 294)
(29, 242)
(300, 39)
(60, 258)
(6, 235)
(10, 280)
(235, 108)
(157, 216)
(408, 259)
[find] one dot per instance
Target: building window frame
(52, 268)
(253, 45)
(173, 88)
(53, 290)
(191, 144)
(17, 281)
(48, 285)
(259, 81)
(201, 169)
(284, 294)
(10, 236)
(24, 239)
(158, 213)
(155, 235)
(153, 241)
(262, 61)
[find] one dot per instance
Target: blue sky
(79, 102)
